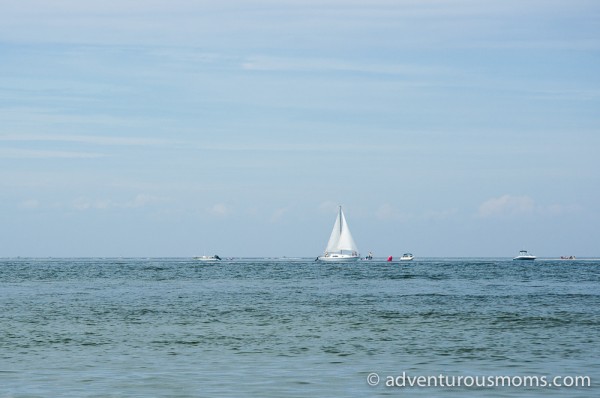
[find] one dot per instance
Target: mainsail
(341, 238)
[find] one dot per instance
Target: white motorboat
(407, 257)
(341, 246)
(524, 256)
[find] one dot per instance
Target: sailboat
(341, 246)
(208, 258)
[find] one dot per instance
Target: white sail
(346, 242)
(334, 238)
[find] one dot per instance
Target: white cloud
(278, 214)
(220, 210)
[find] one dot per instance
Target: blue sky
(178, 128)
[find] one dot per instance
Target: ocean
(173, 327)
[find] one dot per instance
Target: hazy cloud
(30, 204)
(387, 212)
(84, 139)
(508, 205)
(141, 200)
(16, 153)
(278, 214)
(440, 214)
(84, 203)
(220, 210)
(269, 63)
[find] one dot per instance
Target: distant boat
(523, 255)
(341, 246)
(407, 257)
(208, 258)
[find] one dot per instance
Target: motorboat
(523, 255)
(407, 257)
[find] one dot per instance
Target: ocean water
(294, 327)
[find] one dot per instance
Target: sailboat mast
(341, 224)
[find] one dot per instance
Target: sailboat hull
(207, 258)
(339, 258)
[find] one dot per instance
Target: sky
(181, 128)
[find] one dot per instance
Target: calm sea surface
(293, 327)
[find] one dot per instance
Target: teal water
(292, 328)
